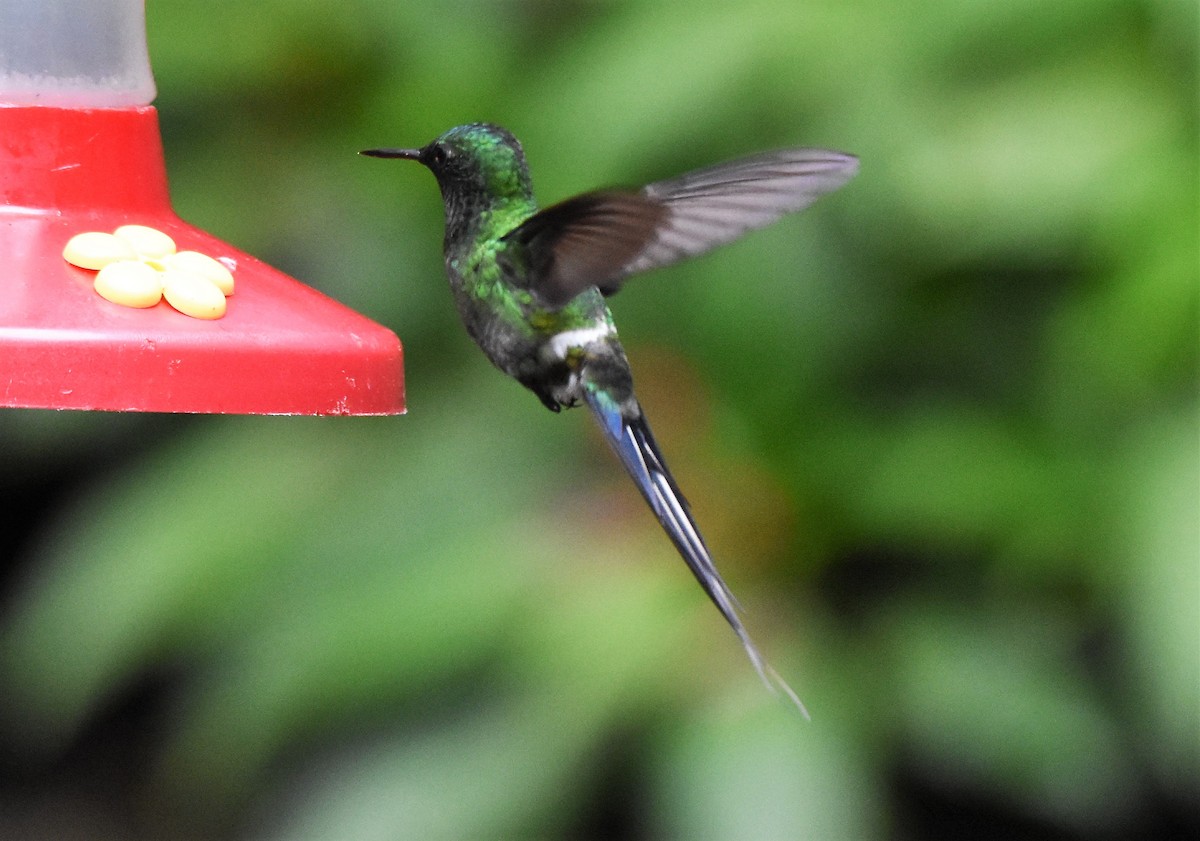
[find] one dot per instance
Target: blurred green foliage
(941, 431)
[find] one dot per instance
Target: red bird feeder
(80, 151)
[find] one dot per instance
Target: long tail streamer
(634, 444)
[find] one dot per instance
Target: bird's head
(476, 164)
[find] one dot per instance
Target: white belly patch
(561, 344)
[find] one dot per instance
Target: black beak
(407, 154)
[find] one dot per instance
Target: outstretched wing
(601, 238)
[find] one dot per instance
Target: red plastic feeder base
(281, 348)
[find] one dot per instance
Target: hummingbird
(530, 286)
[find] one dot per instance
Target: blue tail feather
(629, 435)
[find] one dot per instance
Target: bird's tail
(627, 432)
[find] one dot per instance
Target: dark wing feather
(585, 241)
(599, 239)
(713, 206)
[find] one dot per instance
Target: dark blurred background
(941, 432)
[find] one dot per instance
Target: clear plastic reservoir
(74, 53)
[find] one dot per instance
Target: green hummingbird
(530, 286)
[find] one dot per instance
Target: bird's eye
(440, 155)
